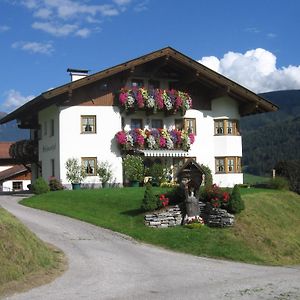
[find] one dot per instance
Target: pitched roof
(48, 98)
(12, 172)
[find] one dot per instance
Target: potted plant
(75, 173)
(133, 169)
(104, 172)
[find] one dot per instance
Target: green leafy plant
(216, 196)
(75, 172)
(150, 201)
(55, 184)
(236, 203)
(40, 186)
(104, 171)
(279, 183)
(133, 167)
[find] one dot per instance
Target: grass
(267, 232)
(254, 179)
(21, 253)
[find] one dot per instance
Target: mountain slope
(271, 137)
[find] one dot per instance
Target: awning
(164, 153)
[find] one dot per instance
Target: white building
(81, 118)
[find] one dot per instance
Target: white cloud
(14, 99)
(84, 32)
(72, 17)
(34, 47)
(55, 28)
(4, 28)
(255, 69)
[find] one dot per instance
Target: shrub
(75, 172)
(150, 201)
(279, 183)
(133, 167)
(104, 171)
(40, 186)
(216, 196)
(176, 195)
(55, 184)
(236, 203)
(157, 173)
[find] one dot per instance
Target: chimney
(77, 74)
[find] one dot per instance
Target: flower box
(154, 100)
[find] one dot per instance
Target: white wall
(101, 144)
(7, 186)
(49, 145)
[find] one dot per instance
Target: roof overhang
(256, 103)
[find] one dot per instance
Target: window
(226, 127)
(17, 185)
(153, 84)
(157, 123)
(52, 127)
(89, 165)
(136, 123)
(52, 163)
(228, 164)
(137, 83)
(88, 124)
(190, 125)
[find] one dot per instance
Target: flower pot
(76, 186)
(134, 183)
(105, 185)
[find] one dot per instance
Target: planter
(134, 183)
(76, 186)
(105, 185)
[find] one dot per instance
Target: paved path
(106, 265)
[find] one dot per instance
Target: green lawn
(254, 179)
(267, 232)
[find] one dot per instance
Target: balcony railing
(155, 139)
(154, 100)
(25, 151)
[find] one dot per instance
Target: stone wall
(169, 218)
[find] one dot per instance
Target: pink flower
(140, 99)
(162, 142)
(192, 138)
(121, 137)
(140, 140)
(159, 99)
(123, 98)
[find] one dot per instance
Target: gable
(166, 64)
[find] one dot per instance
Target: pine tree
(236, 203)
(150, 200)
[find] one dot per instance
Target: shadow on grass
(133, 212)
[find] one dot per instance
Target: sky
(255, 43)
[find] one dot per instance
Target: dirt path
(106, 265)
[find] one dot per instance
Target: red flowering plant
(163, 200)
(216, 196)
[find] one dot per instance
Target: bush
(150, 201)
(279, 183)
(133, 168)
(40, 186)
(176, 195)
(236, 203)
(157, 173)
(55, 184)
(104, 171)
(216, 196)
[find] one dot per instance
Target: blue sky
(253, 42)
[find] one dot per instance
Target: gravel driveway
(107, 265)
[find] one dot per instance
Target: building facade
(163, 106)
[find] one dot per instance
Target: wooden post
(273, 173)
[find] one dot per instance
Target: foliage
(155, 139)
(272, 137)
(194, 222)
(236, 203)
(55, 184)
(75, 172)
(104, 171)
(176, 195)
(156, 171)
(171, 184)
(279, 183)
(133, 167)
(208, 181)
(291, 171)
(40, 186)
(216, 196)
(150, 200)
(266, 232)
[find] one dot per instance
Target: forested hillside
(271, 137)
